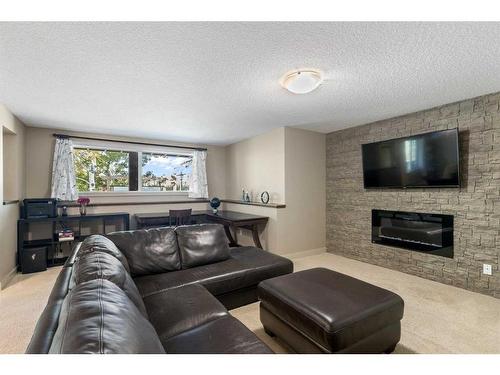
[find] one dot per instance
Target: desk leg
(232, 241)
(255, 234)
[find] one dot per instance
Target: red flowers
(83, 200)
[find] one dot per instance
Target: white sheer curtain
(63, 173)
(198, 186)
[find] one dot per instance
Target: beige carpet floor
(21, 303)
(438, 318)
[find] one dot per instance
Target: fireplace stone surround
(475, 205)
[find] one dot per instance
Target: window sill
(134, 194)
(135, 203)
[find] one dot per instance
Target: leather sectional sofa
(159, 290)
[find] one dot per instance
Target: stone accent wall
(476, 205)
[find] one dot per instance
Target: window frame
(140, 149)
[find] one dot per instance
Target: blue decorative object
(214, 203)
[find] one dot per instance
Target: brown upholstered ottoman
(322, 311)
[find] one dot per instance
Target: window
(164, 172)
(104, 170)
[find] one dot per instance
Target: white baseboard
(305, 253)
(6, 280)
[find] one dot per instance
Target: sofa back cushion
(202, 244)
(99, 265)
(149, 251)
(97, 317)
(97, 242)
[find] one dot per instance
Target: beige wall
(290, 164)
(303, 221)
(40, 149)
(12, 187)
(257, 164)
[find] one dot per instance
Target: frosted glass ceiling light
(302, 81)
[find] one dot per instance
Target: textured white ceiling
(218, 82)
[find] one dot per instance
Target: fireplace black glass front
(428, 233)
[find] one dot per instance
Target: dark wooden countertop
(228, 215)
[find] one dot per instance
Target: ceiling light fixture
(302, 81)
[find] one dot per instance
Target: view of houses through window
(164, 172)
(100, 170)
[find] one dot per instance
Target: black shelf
(88, 217)
(37, 243)
(53, 244)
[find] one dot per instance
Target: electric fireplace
(427, 233)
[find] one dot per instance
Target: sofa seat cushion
(225, 335)
(99, 265)
(246, 267)
(180, 309)
(332, 309)
(202, 244)
(96, 242)
(149, 251)
(97, 317)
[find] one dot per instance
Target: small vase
(83, 209)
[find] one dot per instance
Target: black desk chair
(179, 217)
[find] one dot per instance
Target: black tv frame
(414, 186)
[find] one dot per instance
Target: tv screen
(425, 160)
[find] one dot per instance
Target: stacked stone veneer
(476, 205)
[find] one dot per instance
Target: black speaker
(34, 259)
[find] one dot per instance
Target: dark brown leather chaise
(160, 290)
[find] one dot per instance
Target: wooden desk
(230, 219)
(235, 220)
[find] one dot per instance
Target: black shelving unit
(55, 253)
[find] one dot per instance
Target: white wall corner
(8, 278)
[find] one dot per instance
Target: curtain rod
(66, 136)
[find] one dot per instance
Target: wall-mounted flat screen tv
(424, 160)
